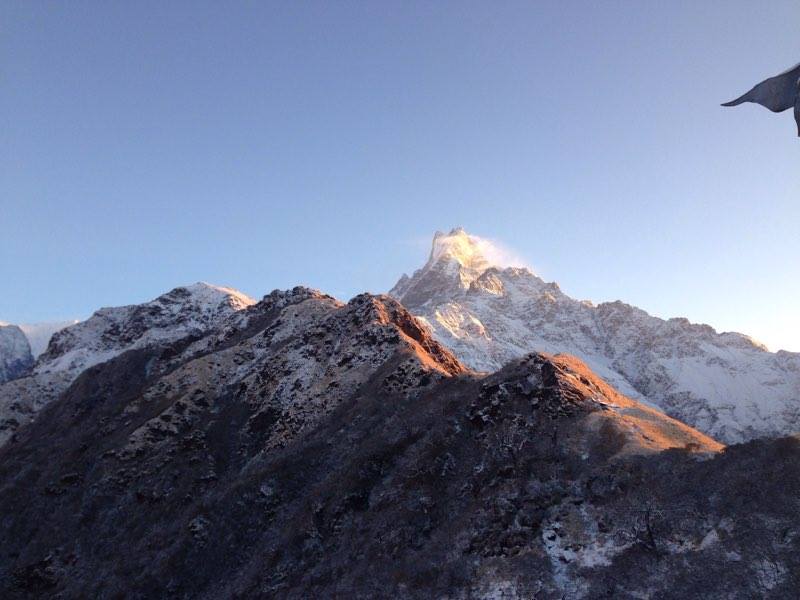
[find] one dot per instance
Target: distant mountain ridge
(724, 384)
(18, 354)
(15, 353)
(39, 334)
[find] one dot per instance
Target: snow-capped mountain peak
(210, 294)
(456, 262)
(460, 247)
(182, 311)
(725, 384)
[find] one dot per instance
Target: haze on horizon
(149, 146)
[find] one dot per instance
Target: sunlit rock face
(488, 313)
(15, 353)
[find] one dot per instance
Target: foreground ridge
(305, 447)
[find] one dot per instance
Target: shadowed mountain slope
(310, 448)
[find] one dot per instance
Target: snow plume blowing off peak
(472, 251)
(456, 260)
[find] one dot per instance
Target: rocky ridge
(184, 311)
(305, 447)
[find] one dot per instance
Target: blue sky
(264, 145)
